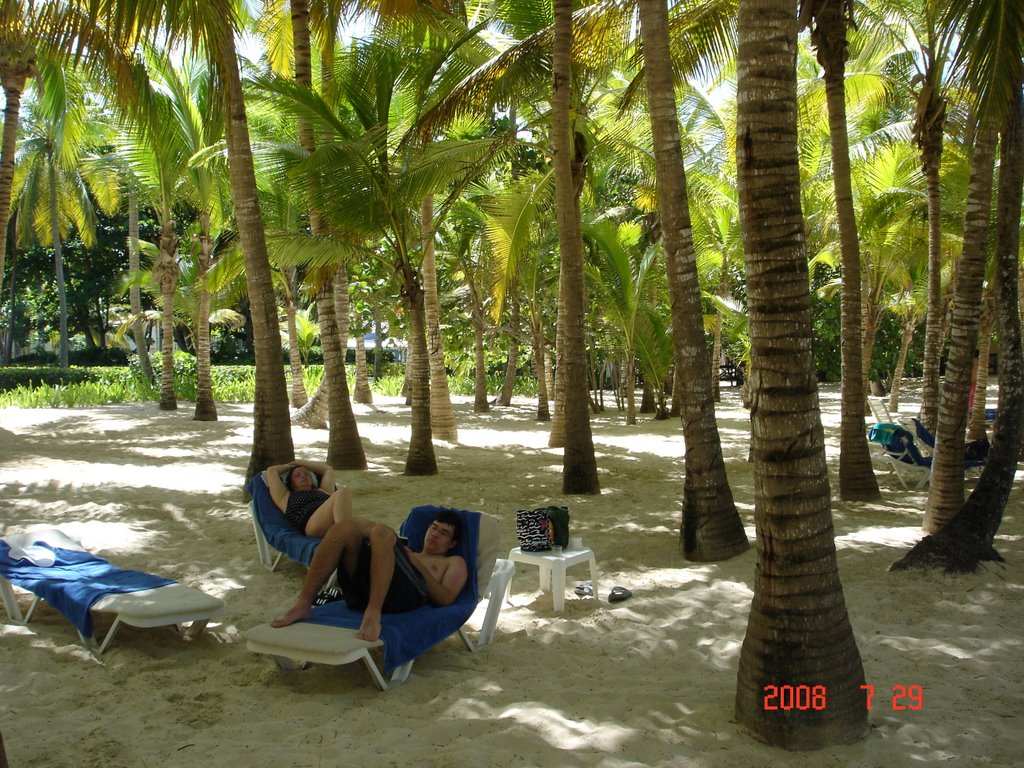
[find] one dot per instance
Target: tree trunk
(363, 393)
(968, 538)
(442, 417)
(166, 273)
(298, 385)
(206, 408)
(512, 359)
(540, 367)
(579, 464)
(272, 436)
(906, 337)
(828, 34)
(929, 138)
(799, 632)
(421, 459)
(14, 71)
(946, 493)
(344, 448)
(480, 403)
(135, 293)
(976, 426)
(710, 529)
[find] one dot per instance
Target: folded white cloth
(25, 546)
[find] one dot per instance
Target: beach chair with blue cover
(901, 454)
(330, 636)
(56, 568)
(274, 532)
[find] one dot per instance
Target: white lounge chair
(45, 563)
(404, 636)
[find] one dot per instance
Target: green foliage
(389, 386)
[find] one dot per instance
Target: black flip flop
(618, 594)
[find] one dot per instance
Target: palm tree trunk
(512, 359)
(930, 142)
(206, 408)
(976, 428)
(272, 436)
(344, 448)
(420, 460)
(828, 34)
(135, 293)
(480, 403)
(798, 632)
(579, 464)
(539, 367)
(166, 272)
(363, 393)
(298, 385)
(968, 538)
(946, 494)
(710, 528)
(906, 337)
(442, 418)
(14, 71)
(58, 260)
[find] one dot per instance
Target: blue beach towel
(410, 634)
(75, 581)
(280, 534)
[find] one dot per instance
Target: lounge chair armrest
(495, 593)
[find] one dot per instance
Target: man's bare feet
(298, 612)
(369, 630)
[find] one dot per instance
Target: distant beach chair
(901, 454)
(880, 410)
(55, 567)
(330, 636)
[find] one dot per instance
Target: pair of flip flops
(617, 595)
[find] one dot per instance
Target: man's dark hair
(450, 517)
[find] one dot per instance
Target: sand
(649, 681)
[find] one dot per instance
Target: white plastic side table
(552, 567)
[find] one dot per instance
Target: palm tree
(17, 65)
(442, 418)
(213, 24)
(711, 527)
(579, 466)
(514, 226)
(55, 186)
(914, 28)
(994, 68)
(798, 632)
(946, 493)
(829, 20)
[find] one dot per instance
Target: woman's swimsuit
(302, 505)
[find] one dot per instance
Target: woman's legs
(337, 509)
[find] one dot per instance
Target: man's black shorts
(407, 590)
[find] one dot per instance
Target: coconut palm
(373, 174)
(995, 71)
(517, 218)
(213, 24)
(56, 187)
(798, 630)
(711, 528)
(914, 27)
(829, 21)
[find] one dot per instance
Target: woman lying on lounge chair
(298, 491)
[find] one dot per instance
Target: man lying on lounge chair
(378, 573)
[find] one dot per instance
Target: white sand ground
(649, 681)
